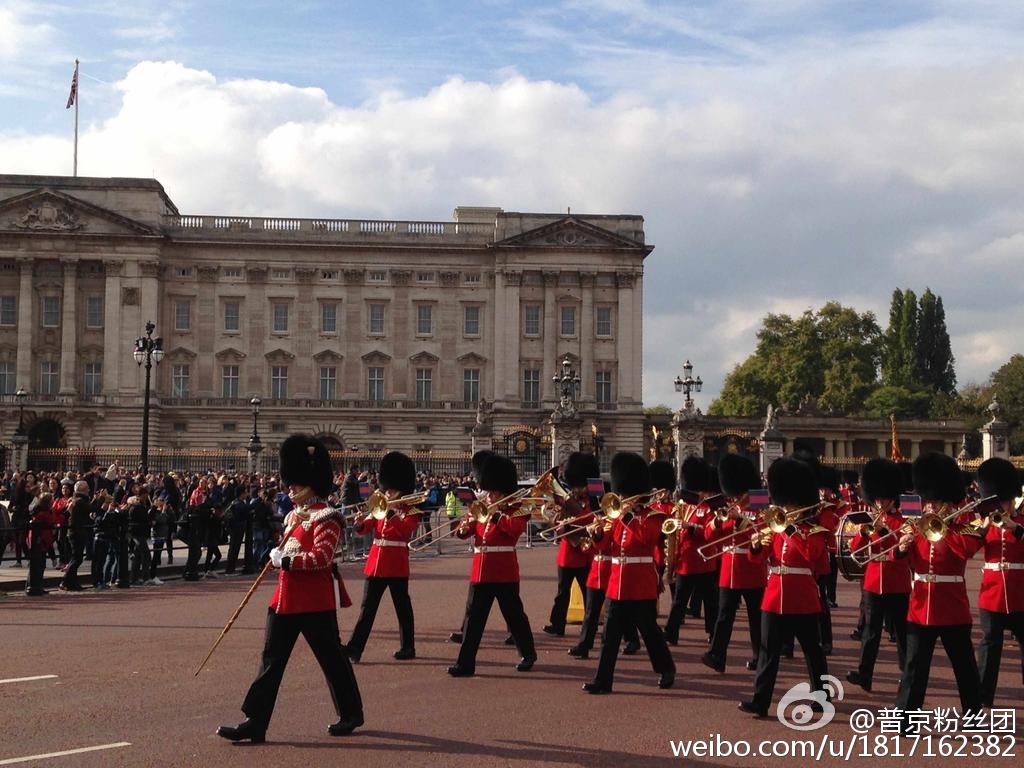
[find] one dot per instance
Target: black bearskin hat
(737, 474)
(578, 468)
(630, 475)
(792, 482)
(882, 480)
(695, 474)
(829, 479)
(850, 477)
(305, 461)
(397, 473)
(663, 475)
(479, 459)
(498, 473)
(937, 478)
(998, 477)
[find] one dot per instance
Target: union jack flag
(74, 89)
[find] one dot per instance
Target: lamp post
(688, 384)
(20, 396)
(567, 383)
(147, 350)
(255, 446)
(20, 438)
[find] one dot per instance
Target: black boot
(345, 726)
(247, 730)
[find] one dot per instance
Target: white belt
(390, 543)
(487, 550)
(736, 550)
(1004, 566)
(783, 570)
(631, 560)
(936, 578)
(601, 558)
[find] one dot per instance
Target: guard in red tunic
(694, 574)
(1001, 600)
(792, 602)
(495, 571)
(573, 559)
(633, 583)
(939, 608)
(739, 577)
(305, 601)
(387, 567)
(887, 579)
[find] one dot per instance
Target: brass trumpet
(613, 505)
(934, 526)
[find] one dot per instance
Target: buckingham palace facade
(373, 334)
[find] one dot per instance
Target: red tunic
(389, 555)
(494, 549)
(569, 554)
(600, 564)
(691, 538)
(889, 575)
(1002, 581)
(47, 521)
(830, 518)
(633, 573)
(794, 564)
(738, 571)
(939, 594)
(305, 583)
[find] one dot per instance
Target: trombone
(934, 526)
(775, 520)
(613, 505)
(378, 504)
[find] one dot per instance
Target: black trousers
(956, 639)
(235, 537)
(77, 542)
(196, 536)
(100, 547)
(704, 587)
(36, 566)
(321, 632)
(990, 652)
(879, 610)
(481, 597)
(373, 591)
(560, 609)
(728, 604)
(775, 628)
(642, 614)
(832, 579)
(592, 617)
(825, 617)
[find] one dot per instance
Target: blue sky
(783, 153)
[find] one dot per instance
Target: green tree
(832, 354)
(934, 354)
(905, 402)
(1007, 384)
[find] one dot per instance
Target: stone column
(20, 443)
(69, 330)
(883, 449)
(625, 338)
(501, 362)
(915, 449)
(588, 383)
(688, 435)
(773, 444)
(113, 350)
(26, 328)
(254, 450)
(551, 330)
(508, 340)
(566, 428)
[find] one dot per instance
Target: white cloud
(18, 33)
(774, 192)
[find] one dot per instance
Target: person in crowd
(236, 520)
(42, 532)
(79, 527)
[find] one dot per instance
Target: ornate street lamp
(567, 383)
(147, 350)
(688, 384)
(255, 403)
(21, 396)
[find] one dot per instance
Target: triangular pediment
(571, 233)
(327, 356)
(181, 353)
(376, 356)
(50, 212)
(279, 355)
(230, 353)
(424, 358)
(472, 358)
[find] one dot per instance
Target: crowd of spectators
(112, 517)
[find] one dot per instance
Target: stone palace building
(372, 334)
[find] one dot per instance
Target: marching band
(775, 557)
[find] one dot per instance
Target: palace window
(232, 316)
(232, 272)
(471, 320)
(471, 385)
(230, 381)
(377, 276)
(182, 315)
(328, 382)
(279, 382)
(329, 318)
(7, 378)
(604, 387)
(8, 310)
(377, 319)
(93, 382)
(179, 380)
(280, 317)
(375, 383)
(568, 317)
(424, 384)
(424, 319)
(472, 278)
(531, 320)
(94, 312)
(51, 311)
(531, 388)
(49, 373)
(603, 322)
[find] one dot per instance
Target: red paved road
(124, 663)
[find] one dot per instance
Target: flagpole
(76, 119)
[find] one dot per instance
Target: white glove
(276, 556)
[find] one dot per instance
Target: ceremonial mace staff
(245, 600)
